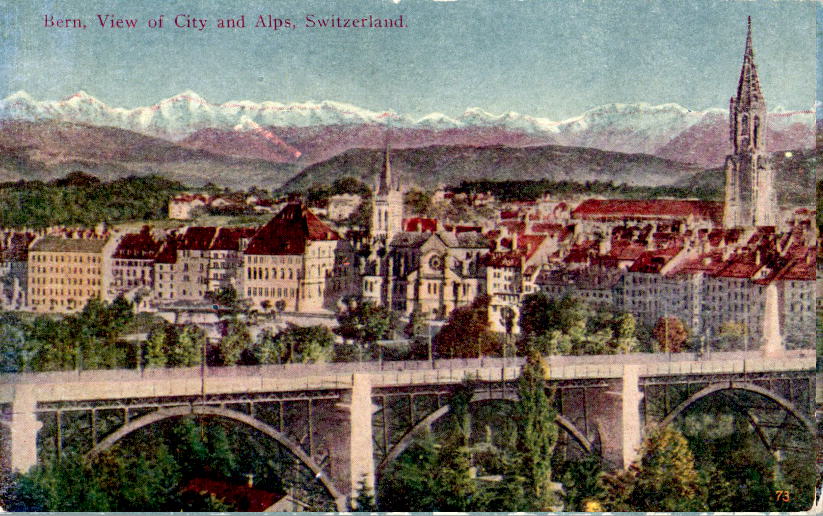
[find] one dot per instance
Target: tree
(367, 323)
(418, 202)
(416, 326)
(536, 435)
(269, 349)
(225, 296)
(16, 354)
(350, 185)
(664, 479)
(670, 333)
(467, 333)
(581, 482)
(305, 344)
(187, 349)
(625, 340)
(234, 343)
(364, 502)
(156, 354)
(732, 334)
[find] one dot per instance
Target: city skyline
(549, 62)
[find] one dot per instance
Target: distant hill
(46, 150)
(795, 176)
(431, 166)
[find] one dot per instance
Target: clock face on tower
(435, 262)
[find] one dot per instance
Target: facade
(225, 254)
(65, 273)
(133, 264)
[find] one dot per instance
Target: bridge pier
(614, 411)
(349, 438)
(23, 429)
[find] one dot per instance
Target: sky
(547, 58)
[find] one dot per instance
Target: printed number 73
(781, 496)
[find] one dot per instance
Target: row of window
(63, 292)
(62, 258)
(64, 270)
(51, 280)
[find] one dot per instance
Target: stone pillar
(614, 412)
(632, 428)
(347, 433)
(361, 434)
(24, 428)
(772, 341)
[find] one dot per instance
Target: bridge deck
(130, 383)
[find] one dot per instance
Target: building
(132, 264)
(225, 254)
(14, 251)
(341, 206)
(296, 263)
(64, 273)
(182, 206)
(750, 196)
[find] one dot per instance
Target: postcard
(410, 255)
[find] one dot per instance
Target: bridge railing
(339, 375)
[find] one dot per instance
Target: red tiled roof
(503, 259)
(580, 253)
(190, 198)
(228, 239)
(420, 224)
(242, 497)
(140, 246)
(654, 261)
(288, 231)
(514, 226)
(168, 251)
(528, 244)
(652, 208)
(801, 267)
(507, 214)
(197, 239)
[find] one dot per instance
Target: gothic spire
(385, 182)
(748, 89)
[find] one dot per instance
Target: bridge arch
(175, 412)
(785, 404)
(429, 420)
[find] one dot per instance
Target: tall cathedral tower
(750, 196)
(387, 204)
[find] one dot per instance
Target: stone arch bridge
(350, 420)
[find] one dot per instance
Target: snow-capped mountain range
(285, 132)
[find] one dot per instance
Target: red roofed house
(181, 206)
(296, 260)
(225, 254)
(510, 275)
(133, 263)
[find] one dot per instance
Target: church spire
(750, 195)
(748, 88)
(384, 184)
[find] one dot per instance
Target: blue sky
(551, 58)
